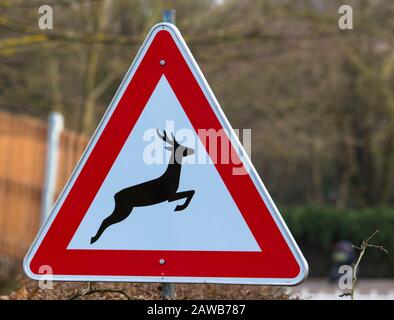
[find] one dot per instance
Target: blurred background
(319, 101)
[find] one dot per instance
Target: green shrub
(317, 229)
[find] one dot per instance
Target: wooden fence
(22, 164)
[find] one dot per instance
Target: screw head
(162, 62)
(162, 261)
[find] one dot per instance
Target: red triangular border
(277, 260)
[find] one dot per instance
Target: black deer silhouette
(163, 188)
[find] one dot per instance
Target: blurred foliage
(319, 228)
(319, 101)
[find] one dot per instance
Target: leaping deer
(163, 188)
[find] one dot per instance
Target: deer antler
(164, 137)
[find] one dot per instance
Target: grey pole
(168, 289)
(55, 128)
(169, 16)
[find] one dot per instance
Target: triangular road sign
(129, 213)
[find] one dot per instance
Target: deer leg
(118, 215)
(182, 195)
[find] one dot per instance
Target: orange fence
(22, 165)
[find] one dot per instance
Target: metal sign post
(169, 16)
(168, 289)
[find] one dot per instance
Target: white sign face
(155, 199)
(159, 227)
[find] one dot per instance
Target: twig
(91, 290)
(365, 244)
(345, 294)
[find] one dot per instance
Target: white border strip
(241, 153)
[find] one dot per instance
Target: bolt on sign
(155, 196)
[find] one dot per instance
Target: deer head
(180, 151)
